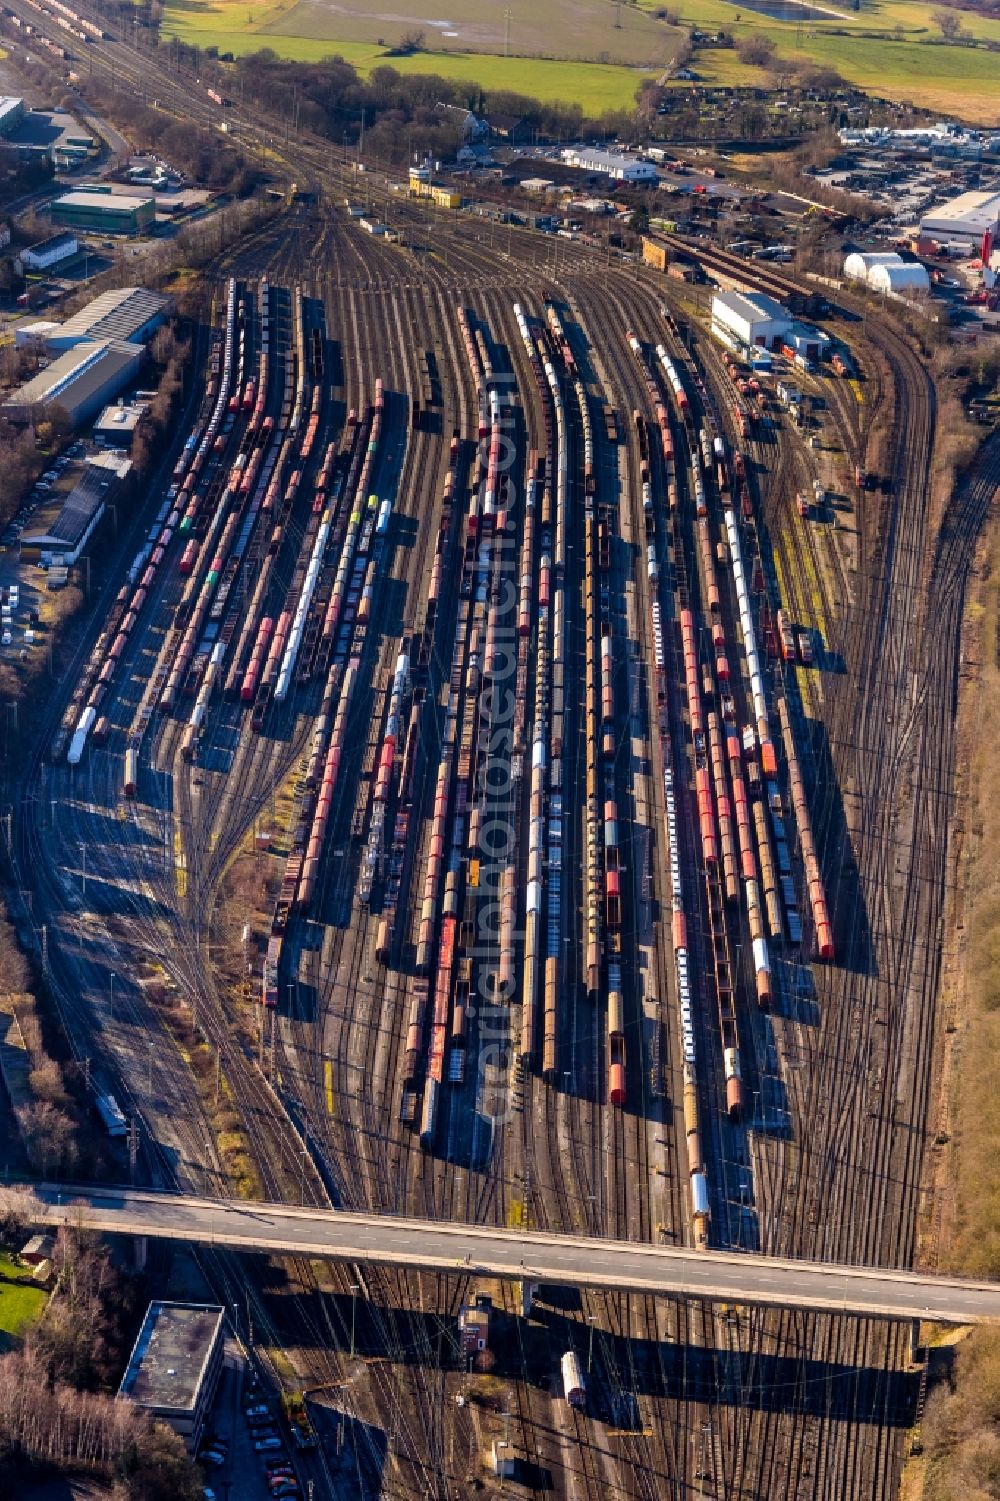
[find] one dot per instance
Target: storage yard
(523, 759)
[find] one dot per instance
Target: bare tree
(756, 50)
(949, 23)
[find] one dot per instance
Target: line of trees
(401, 112)
(203, 155)
(58, 1408)
(172, 354)
(46, 1423)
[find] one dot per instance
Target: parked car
(258, 1410)
(268, 1443)
(212, 1457)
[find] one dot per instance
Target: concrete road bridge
(487, 1251)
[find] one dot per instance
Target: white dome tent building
(859, 264)
(899, 280)
(887, 273)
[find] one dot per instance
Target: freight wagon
(111, 1115)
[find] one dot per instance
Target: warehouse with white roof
(970, 216)
(50, 252)
(11, 113)
(616, 165)
(750, 318)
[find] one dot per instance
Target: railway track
(853, 1059)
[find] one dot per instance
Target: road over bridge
(629, 1267)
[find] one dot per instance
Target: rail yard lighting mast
(355, 1289)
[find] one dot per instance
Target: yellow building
(442, 196)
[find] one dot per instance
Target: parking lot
(243, 1417)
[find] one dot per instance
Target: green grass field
(888, 47)
(596, 87)
(19, 1306)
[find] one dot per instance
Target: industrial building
(116, 425)
(968, 217)
(615, 165)
(807, 343)
(898, 280)
(81, 381)
(438, 193)
(886, 272)
(35, 334)
(131, 313)
(104, 212)
(174, 1369)
(50, 252)
(11, 114)
(858, 265)
(750, 319)
(60, 544)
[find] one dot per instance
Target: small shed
(38, 1249)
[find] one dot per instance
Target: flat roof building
(50, 252)
(970, 216)
(750, 318)
(474, 1324)
(117, 424)
(81, 381)
(104, 212)
(131, 313)
(616, 165)
(35, 333)
(175, 1366)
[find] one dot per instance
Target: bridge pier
(528, 1291)
(914, 1341)
(140, 1250)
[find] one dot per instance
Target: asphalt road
(487, 1251)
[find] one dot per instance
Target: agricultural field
(892, 49)
(574, 52)
(564, 51)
